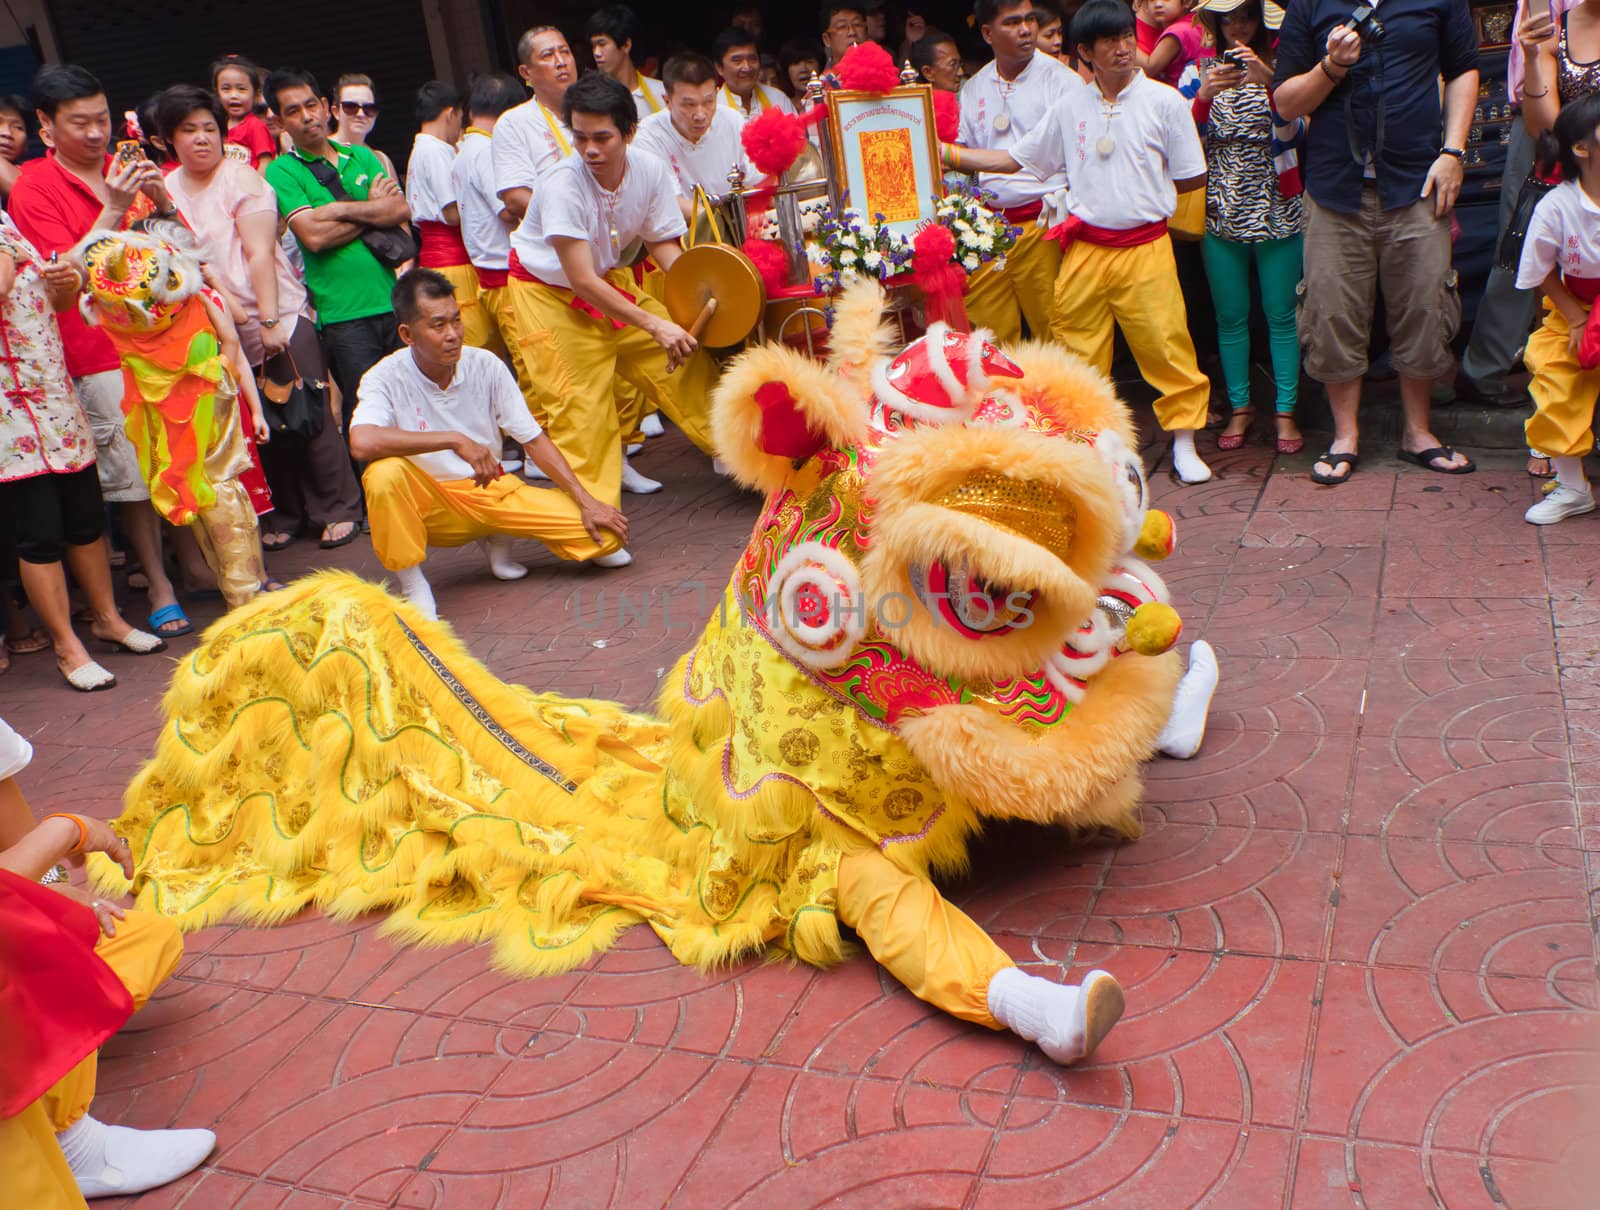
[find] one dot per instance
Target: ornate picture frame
(886, 154)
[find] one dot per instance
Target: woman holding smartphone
(1253, 210)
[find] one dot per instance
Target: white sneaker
(498, 551)
(650, 426)
(617, 558)
(634, 482)
(116, 1161)
(1066, 1022)
(628, 451)
(720, 467)
(1186, 725)
(1562, 502)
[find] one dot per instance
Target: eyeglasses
(350, 109)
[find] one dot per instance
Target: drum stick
(702, 319)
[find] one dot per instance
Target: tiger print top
(1243, 201)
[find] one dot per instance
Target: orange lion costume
(942, 617)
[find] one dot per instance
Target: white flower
(970, 262)
(986, 243)
(1000, 264)
(847, 256)
(872, 259)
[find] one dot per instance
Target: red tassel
(867, 67)
(772, 262)
(946, 115)
(939, 278)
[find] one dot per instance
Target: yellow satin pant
(928, 944)
(482, 329)
(144, 953)
(575, 360)
(1564, 393)
(1137, 290)
(410, 511)
(1001, 299)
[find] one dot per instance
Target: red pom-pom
(867, 67)
(946, 115)
(774, 141)
(771, 261)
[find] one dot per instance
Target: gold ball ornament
(1153, 628)
(1157, 536)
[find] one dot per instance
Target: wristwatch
(269, 323)
(1456, 152)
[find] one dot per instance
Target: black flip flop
(336, 543)
(1424, 459)
(1336, 461)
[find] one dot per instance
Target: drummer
(588, 332)
(698, 138)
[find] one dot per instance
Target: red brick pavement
(1356, 937)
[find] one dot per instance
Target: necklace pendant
(1105, 145)
(616, 243)
(1002, 121)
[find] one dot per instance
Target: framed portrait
(886, 154)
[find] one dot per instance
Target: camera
(1364, 20)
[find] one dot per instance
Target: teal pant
(1228, 269)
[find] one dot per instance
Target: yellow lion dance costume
(938, 619)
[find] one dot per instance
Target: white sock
(498, 551)
(1186, 725)
(630, 450)
(617, 558)
(414, 587)
(1569, 473)
(1186, 461)
(531, 471)
(1056, 1016)
(650, 426)
(112, 1161)
(635, 483)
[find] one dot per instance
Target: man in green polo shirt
(348, 285)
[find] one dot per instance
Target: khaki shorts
(1348, 258)
(114, 456)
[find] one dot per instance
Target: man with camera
(1383, 166)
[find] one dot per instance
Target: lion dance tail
(326, 746)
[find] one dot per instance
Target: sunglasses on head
(366, 108)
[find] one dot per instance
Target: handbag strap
(326, 175)
(299, 381)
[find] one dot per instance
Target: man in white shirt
(435, 207)
(581, 331)
(485, 221)
(429, 422)
(1004, 101)
(1129, 147)
(532, 138)
(613, 32)
(737, 55)
(699, 140)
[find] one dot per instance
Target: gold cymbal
(722, 272)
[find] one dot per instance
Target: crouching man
(429, 420)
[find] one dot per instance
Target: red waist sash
(1075, 229)
(491, 279)
(442, 246)
(1584, 289)
(1017, 215)
(577, 304)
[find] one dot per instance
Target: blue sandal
(167, 615)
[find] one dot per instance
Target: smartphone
(1232, 58)
(129, 151)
